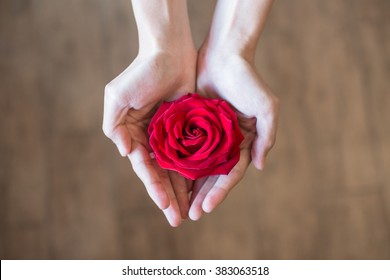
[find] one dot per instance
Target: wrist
(236, 27)
(163, 26)
(225, 49)
(218, 55)
(179, 46)
(176, 69)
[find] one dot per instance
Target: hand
(129, 103)
(233, 78)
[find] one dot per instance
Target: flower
(196, 136)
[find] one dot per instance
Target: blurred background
(65, 193)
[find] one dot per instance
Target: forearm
(163, 25)
(237, 25)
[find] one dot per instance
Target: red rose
(196, 136)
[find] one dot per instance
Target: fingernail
(196, 216)
(163, 203)
(260, 164)
(207, 207)
(122, 150)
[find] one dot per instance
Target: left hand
(130, 101)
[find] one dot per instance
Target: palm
(136, 122)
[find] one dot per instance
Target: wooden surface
(66, 193)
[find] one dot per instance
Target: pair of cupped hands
(132, 98)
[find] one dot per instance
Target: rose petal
(196, 136)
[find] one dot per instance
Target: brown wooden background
(66, 193)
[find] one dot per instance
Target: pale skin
(167, 67)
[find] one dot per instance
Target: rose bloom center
(193, 139)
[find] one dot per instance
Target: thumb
(122, 140)
(258, 153)
(264, 141)
(113, 123)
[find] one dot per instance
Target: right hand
(234, 79)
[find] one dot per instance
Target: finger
(122, 139)
(181, 191)
(172, 213)
(201, 188)
(113, 121)
(196, 187)
(263, 142)
(146, 170)
(226, 183)
(189, 185)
